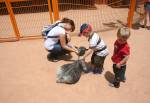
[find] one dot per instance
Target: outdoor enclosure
(23, 19)
(27, 17)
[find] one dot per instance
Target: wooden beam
(131, 13)
(12, 18)
(55, 9)
(50, 11)
(10, 39)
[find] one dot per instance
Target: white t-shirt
(93, 43)
(50, 42)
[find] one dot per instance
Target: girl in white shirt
(58, 39)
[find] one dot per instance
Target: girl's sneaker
(52, 58)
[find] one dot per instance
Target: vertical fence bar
(55, 9)
(131, 12)
(12, 18)
(50, 10)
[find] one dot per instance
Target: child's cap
(124, 32)
(85, 28)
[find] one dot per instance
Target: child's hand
(76, 51)
(118, 65)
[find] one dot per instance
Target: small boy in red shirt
(120, 55)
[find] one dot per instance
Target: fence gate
(102, 14)
(24, 19)
(6, 28)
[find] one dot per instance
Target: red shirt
(120, 51)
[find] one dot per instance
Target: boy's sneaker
(123, 80)
(97, 71)
(116, 84)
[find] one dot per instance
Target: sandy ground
(26, 76)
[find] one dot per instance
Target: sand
(26, 76)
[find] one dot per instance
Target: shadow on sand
(109, 76)
(65, 57)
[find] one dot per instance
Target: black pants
(119, 73)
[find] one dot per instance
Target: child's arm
(65, 46)
(72, 46)
(87, 53)
(68, 37)
(123, 61)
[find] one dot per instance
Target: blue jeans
(119, 73)
(58, 50)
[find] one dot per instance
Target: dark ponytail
(71, 22)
